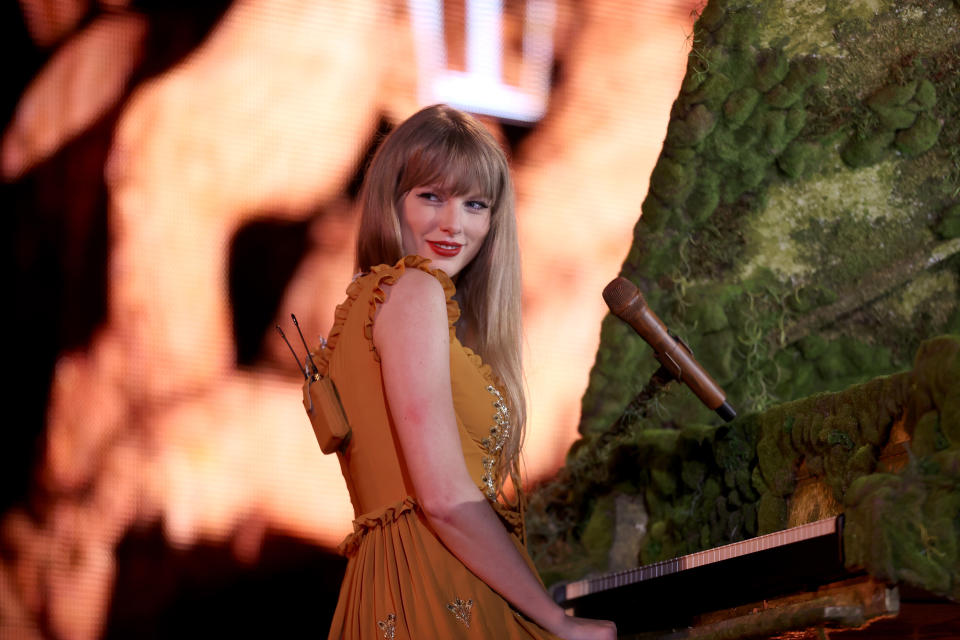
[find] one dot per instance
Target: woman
(437, 550)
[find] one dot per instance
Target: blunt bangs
(459, 164)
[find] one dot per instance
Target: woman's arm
(412, 336)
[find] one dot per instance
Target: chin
(449, 268)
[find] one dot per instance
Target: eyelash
(480, 205)
(474, 205)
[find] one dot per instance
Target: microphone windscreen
(618, 293)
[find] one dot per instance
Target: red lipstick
(445, 249)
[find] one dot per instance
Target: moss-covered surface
(802, 233)
(704, 486)
(809, 176)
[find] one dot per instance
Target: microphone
(626, 302)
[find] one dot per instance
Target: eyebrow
(475, 193)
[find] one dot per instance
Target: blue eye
(429, 196)
(477, 205)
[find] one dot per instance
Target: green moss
(937, 371)
(895, 117)
(757, 481)
(930, 295)
(869, 43)
(705, 195)
(709, 317)
(837, 437)
(738, 30)
(717, 352)
(928, 437)
(660, 543)
(664, 481)
(950, 422)
(782, 23)
(804, 379)
(776, 465)
(739, 105)
(723, 146)
(813, 347)
(701, 434)
(893, 95)
(920, 137)
(692, 129)
(655, 260)
(781, 97)
(926, 95)
(693, 473)
(772, 67)
(711, 491)
(683, 155)
(692, 80)
(753, 156)
(740, 65)
(949, 225)
(798, 158)
(671, 181)
(905, 527)
(712, 92)
(864, 356)
(862, 462)
(869, 150)
(807, 297)
(655, 212)
(750, 178)
(774, 126)
(712, 15)
(663, 441)
(597, 535)
(844, 213)
(834, 364)
(771, 514)
(796, 118)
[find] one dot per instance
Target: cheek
(479, 227)
(407, 230)
(407, 239)
(411, 218)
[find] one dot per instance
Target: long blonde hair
(445, 147)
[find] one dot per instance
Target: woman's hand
(573, 628)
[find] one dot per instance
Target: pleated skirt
(401, 582)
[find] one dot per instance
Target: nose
(449, 218)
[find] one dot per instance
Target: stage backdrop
(181, 178)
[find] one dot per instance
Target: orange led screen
(183, 177)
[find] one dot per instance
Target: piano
(797, 573)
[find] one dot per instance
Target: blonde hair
(447, 148)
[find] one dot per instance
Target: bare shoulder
(415, 302)
(414, 286)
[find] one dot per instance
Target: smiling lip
(445, 249)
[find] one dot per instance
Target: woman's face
(447, 229)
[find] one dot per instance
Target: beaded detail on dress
(461, 610)
(493, 444)
(388, 627)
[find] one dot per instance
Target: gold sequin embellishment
(461, 610)
(493, 443)
(388, 627)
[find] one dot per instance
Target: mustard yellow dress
(401, 582)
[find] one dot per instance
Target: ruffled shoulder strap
(370, 286)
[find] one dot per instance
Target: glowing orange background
(149, 419)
